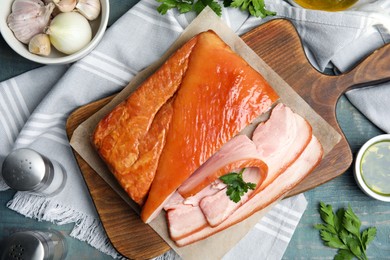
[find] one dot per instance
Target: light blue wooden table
(305, 244)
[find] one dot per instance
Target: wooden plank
(278, 44)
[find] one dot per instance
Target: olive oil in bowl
(326, 5)
(372, 167)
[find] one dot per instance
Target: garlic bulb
(28, 18)
(40, 44)
(89, 8)
(69, 32)
(65, 5)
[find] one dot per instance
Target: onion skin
(69, 32)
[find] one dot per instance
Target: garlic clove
(28, 18)
(40, 44)
(89, 8)
(65, 5)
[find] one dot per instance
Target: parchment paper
(219, 244)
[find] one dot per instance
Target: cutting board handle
(372, 70)
(278, 43)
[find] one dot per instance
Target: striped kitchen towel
(270, 237)
(34, 106)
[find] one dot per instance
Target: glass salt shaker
(34, 245)
(27, 170)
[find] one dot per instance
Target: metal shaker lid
(22, 245)
(25, 169)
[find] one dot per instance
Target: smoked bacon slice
(125, 138)
(293, 175)
(187, 216)
(239, 152)
(219, 95)
(280, 140)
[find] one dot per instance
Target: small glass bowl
(357, 168)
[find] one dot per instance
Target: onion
(69, 32)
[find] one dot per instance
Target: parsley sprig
(254, 7)
(236, 186)
(342, 231)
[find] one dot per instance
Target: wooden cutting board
(279, 45)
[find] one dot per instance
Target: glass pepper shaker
(27, 170)
(34, 245)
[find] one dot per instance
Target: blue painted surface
(341, 192)
(305, 244)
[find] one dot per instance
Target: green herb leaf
(254, 7)
(343, 254)
(338, 220)
(332, 240)
(214, 5)
(326, 228)
(343, 234)
(353, 244)
(236, 186)
(183, 6)
(326, 213)
(342, 231)
(227, 3)
(351, 222)
(367, 236)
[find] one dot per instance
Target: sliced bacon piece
(210, 190)
(180, 221)
(176, 199)
(184, 216)
(295, 173)
(239, 152)
(185, 220)
(280, 140)
(218, 207)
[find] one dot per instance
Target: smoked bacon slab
(220, 94)
(124, 137)
(212, 93)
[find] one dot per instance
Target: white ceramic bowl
(357, 168)
(98, 28)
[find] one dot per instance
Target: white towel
(34, 106)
